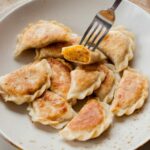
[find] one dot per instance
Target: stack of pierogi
(65, 73)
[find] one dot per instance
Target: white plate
(126, 133)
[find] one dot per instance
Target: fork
(99, 27)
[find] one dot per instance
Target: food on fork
(41, 34)
(26, 83)
(92, 120)
(118, 46)
(55, 49)
(130, 94)
(82, 55)
(84, 82)
(51, 109)
(106, 91)
(60, 78)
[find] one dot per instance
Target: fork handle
(115, 5)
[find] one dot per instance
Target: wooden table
(145, 4)
(4, 4)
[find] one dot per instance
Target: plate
(126, 133)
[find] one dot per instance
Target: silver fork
(99, 27)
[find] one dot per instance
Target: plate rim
(18, 5)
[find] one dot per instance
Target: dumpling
(130, 94)
(81, 55)
(41, 34)
(84, 82)
(55, 49)
(26, 83)
(92, 120)
(106, 91)
(107, 88)
(51, 109)
(118, 45)
(60, 79)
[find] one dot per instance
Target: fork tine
(87, 31)
(104, 34)
(92, 43)
(91, 34)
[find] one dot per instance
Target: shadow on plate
(15, 108)
(45, 128)
(26, 57)
(79, 105)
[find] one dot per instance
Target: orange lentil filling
(76, 53)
